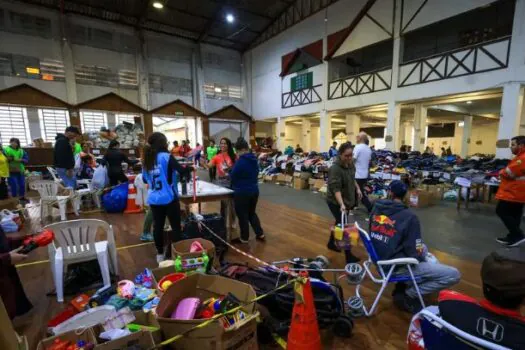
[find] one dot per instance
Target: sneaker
(261, 237)
(503, 240)
(515, 241)
(412, 305)
(146, 237)
(160, 258)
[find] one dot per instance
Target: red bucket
(172, 277)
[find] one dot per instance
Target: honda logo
(490, 329)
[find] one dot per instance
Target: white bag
(100, 177)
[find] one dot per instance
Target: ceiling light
(218, 89)
(230, 18)
(469, 102)
(461, 124)
(158, 5)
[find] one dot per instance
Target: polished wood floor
(289, 233)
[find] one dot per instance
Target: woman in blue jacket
(160, 172)
(245, 185)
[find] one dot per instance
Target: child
(142, 200)
(4, 174)
(17, 158)
(86, 171)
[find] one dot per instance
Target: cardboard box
(281, 178)
(47, 145)
(160, 272)
(149, 320)
(270, 178)
(9, 204)
(300, 184)
(421, 199)
(305, 175)
(142, 339)
(311, 181)
(212, 337)
(182, 249)
(9, 339)
(87, 335)
(318, 184)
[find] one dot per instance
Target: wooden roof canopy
(111, 102)
(26, 95)
(231, 112)
(178, 107)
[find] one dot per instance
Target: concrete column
(510, 118)
(353, 123)
(143, 72)
(69, 71)
(392, 126)
(306, 133)
(197, 79)
(420, 128)
(465, 139)
(281, 135)
(325, 128)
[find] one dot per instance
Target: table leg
(458, 202)
(200, 208)
(467, 200)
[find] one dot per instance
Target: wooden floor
(289, 233)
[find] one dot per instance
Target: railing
(483, 57)
(364, 83)
(301, 97)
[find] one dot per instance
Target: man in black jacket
(395, 232)
(64, 158)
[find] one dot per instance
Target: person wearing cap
(395, 232)
(511, 194)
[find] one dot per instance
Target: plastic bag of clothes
(115, 200)
(451, 195)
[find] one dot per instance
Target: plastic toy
(145, 278)
(40, 240)
(101, 296)
(199, 264)
(196, 247)
(126, 289)
(132, 327)
(186, 309)
(172, 277)
(80, 302)
(59, 344)
(166, 284)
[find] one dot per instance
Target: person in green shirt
(17, 158)
(211, 151)
(77, 149)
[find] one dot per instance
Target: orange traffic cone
(304, 330)
(132, 207)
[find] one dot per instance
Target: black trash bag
(214, 222)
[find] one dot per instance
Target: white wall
(294, 136)
(484, 131)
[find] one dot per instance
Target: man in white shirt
(362, 155)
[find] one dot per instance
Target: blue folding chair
(385, 277)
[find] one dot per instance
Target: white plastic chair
(86, 191)
(48, 190)
(385, 277)
(75, 241)
(54, 174)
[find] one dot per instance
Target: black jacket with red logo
(395, 231)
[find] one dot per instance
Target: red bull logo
(384, 225)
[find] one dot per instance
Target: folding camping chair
(439, 334)
(385, 277)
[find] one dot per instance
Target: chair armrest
(400, 261)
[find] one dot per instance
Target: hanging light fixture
(158, 4)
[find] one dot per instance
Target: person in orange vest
(511, 194)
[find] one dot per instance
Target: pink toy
(126, 289)
(196, 246)
(186, 309)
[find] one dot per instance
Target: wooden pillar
(252, 135)
(205, 132)
(148, 124)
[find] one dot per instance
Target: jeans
(434, 277)
(335, 209)
(17, 184)
(172, 211)
(68, 181)
(365, 200)
(245, 206)
(213, 173)
(511, 213)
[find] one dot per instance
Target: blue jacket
(244, 175)
(332, 152)
(395, 231)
